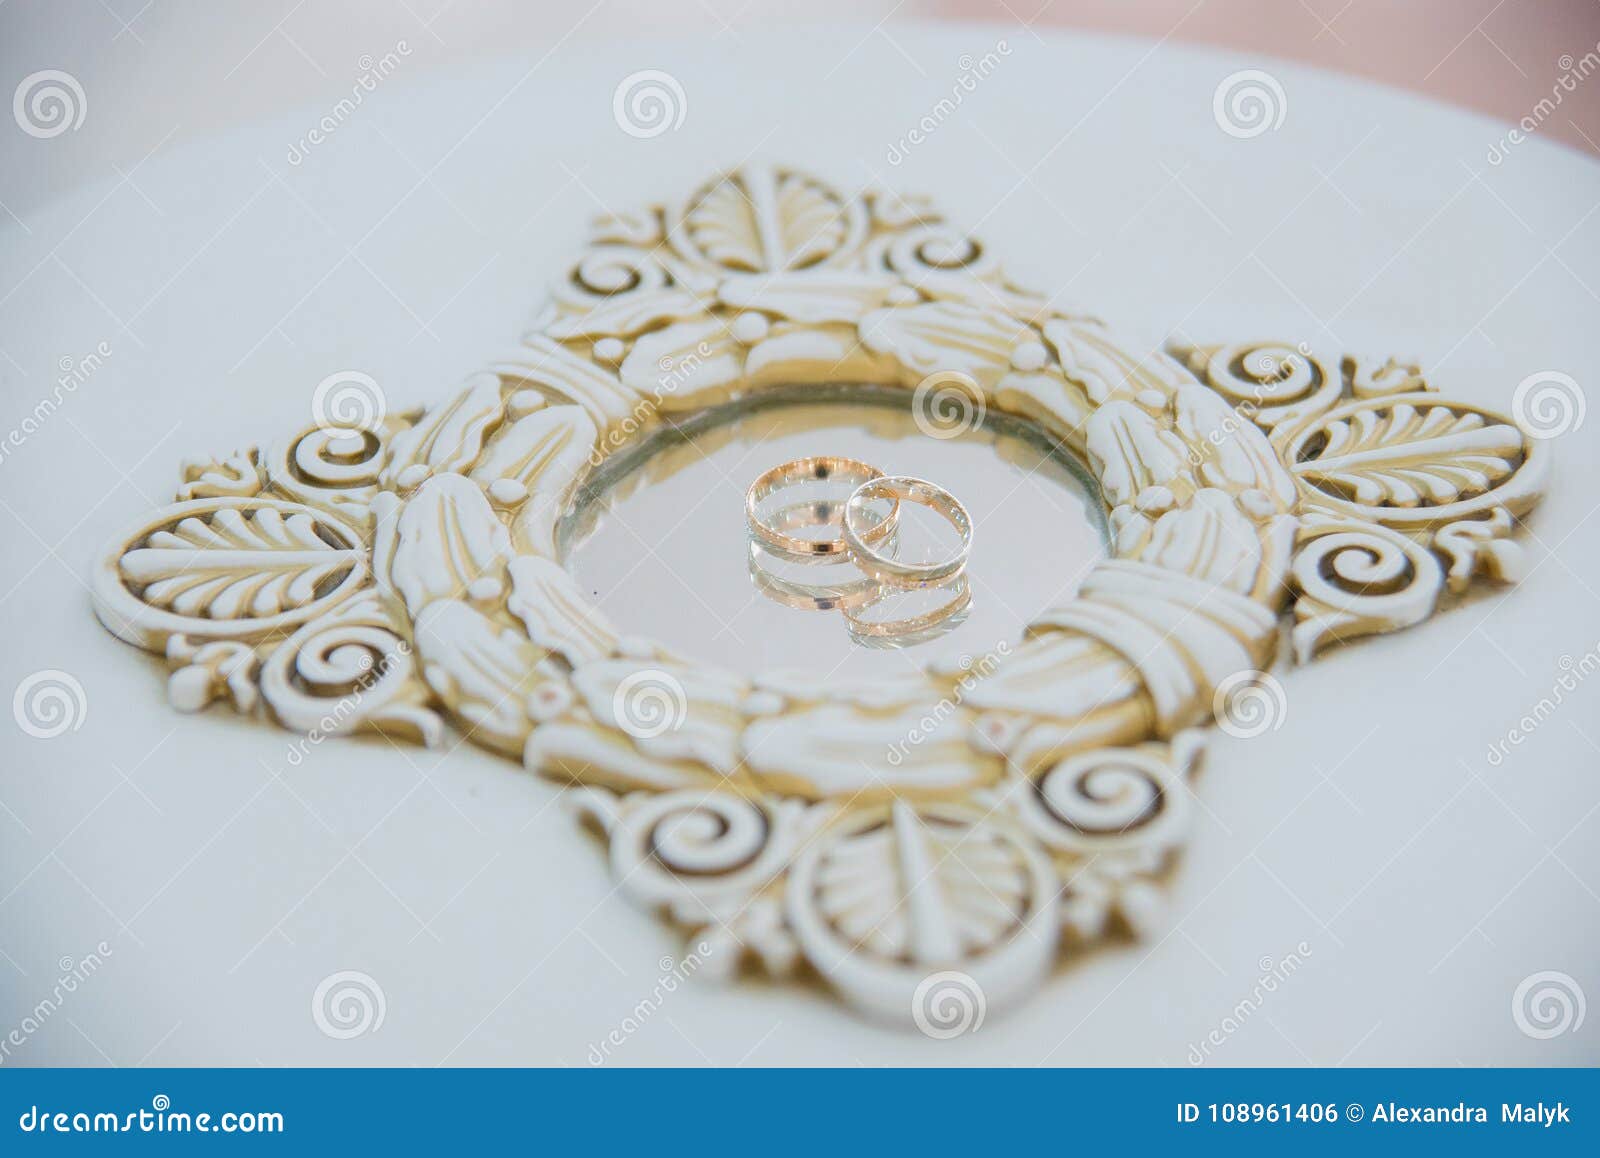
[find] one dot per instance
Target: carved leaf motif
(556, 370)
(555, 613)
(686, 364)
(532, 465)
(1407, 456)
(823, 353)
(625, 314)
(839, 749)
(238, 563)
(1131, 453)
(1103, 368)
(813, 297)
(486, 674)
(670, 711)
(947, 336)
(760, 220)
(448, 544)
(447, 438)
(1233, 451)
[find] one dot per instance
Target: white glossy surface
(1427, 882)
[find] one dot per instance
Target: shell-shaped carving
(240, 568)
(892, 894)
(1406, 455)
(447, 543)
(236, 564)
(761, 220)
(448, 437)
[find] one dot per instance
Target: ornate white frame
(394, 578)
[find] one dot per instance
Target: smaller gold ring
(804, 470)
(896, 572)
(875, 629)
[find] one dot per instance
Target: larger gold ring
(804, 470)
(897, 572)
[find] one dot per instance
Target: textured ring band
(895, 572)
(804, 470)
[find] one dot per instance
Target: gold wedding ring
(808, 470)
(859, 532)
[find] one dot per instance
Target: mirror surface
(658, 535)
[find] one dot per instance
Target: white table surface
(413, 244)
